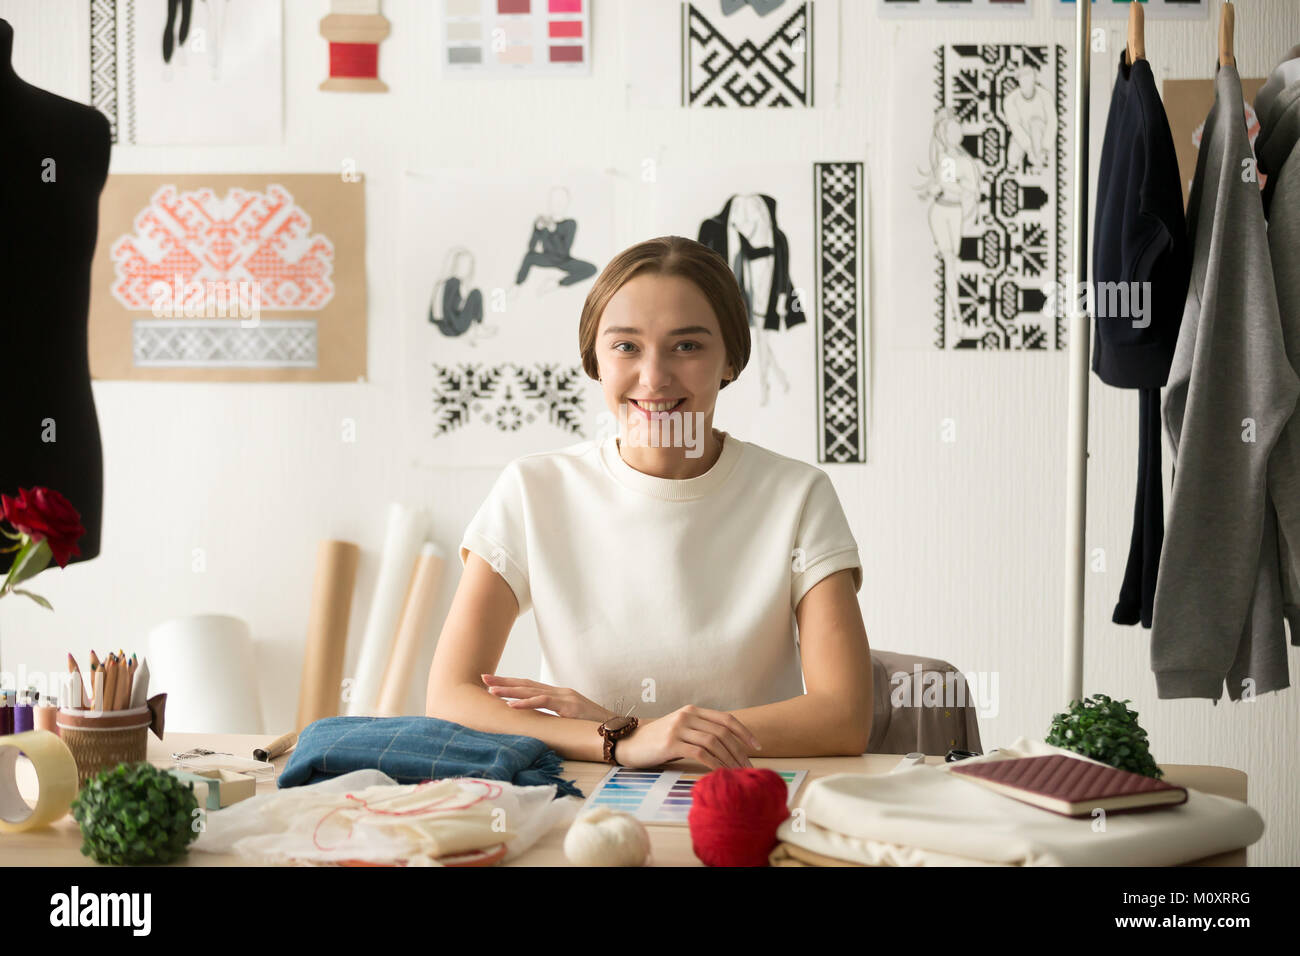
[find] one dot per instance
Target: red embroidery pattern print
(247, 236)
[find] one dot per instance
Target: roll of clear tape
(56, 773)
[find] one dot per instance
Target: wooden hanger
(1136, 41)
(1226, 18)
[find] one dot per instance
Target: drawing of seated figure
(551, 242)
(1031, 121)
(451, 315)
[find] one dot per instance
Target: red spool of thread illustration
(735, 813)
(354, 39)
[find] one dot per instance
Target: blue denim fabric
(415, 749)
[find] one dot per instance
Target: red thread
(734, 815)
(354, 59)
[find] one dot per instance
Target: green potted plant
(1105, 730)
(135, 814)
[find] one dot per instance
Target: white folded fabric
(927, 816)
(367, 815)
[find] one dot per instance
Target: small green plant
(1105, 730)
(135, 813)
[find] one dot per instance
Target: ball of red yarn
(734, 815)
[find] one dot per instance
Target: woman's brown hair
(676, 256)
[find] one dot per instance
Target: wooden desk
(60, 844)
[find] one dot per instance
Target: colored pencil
(110, 683)
(123, 685)
(74, 669)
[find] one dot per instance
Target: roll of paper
(327, 631)
(413, 632)
(56, 776)
(407, 530)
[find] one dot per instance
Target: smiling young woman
(667, 578)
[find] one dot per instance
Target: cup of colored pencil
(108, 713)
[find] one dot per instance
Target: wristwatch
(614, 730)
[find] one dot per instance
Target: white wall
(961, 543)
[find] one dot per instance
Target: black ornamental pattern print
(738, 61)
(841, 254)
(994, 186)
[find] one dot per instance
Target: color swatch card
(516, 37)
(1154, 9)
(661, 796)
(954, 9)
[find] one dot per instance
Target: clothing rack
(1080, 348)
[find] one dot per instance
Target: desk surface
(60, 843)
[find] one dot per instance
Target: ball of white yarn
(604, 837)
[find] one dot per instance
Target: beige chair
(920, 729)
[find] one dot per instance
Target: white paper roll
(205, 665)
(413, 630)
(407, 530)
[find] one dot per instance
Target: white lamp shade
(204, 664)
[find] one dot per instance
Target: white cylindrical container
(205, 665)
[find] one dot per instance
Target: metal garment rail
(1080, 347)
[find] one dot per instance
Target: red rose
(44, 513)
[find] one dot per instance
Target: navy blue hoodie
(1141, 265)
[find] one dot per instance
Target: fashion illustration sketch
(453, 315)
(745, 233)
(952, 187)
(175, 34)
(550, 244)
(1031, 121)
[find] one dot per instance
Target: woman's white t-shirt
(663, 592)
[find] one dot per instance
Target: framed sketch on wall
(495, 269)
(796, 237)
(746, 54)
(188, 72)
(979, 204)
(229, 278)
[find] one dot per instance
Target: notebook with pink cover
(1072, 787)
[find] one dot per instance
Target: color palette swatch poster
(1153, 9)
(954, 9)
(518, 37)
(662, 796)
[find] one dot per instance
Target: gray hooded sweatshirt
(1231, 391)
(1278, 149)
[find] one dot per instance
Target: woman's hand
(714, 738)
(565, 701)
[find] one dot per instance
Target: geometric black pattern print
(722, 70)
(103, 60)
(1008, 257)
(507, 396)
(841, 335)
(106, 32)
(129, 84)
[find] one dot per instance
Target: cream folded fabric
(928, 816)
(366, 815)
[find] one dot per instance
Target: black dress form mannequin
(53, 165)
